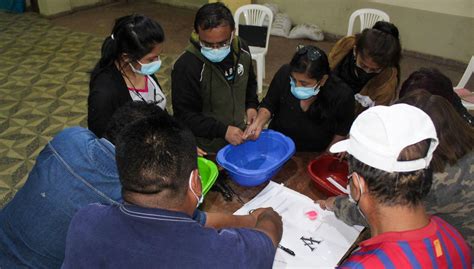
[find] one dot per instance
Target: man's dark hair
(156, 154)
(397, 188)
(128, 113)
(213, 15)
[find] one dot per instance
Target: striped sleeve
(370, 259)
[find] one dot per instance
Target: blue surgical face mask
(199, 199)
(303, 93)
(147, 69)
(215, 55)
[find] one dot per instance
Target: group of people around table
(125, 192)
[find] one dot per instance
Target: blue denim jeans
(73, 170)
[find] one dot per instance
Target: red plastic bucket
(327, 166)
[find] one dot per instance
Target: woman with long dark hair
(125, 71)
(369, 63)
(305, 103)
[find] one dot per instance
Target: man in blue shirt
(74, 169)
(156, 160)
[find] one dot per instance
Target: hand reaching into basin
(234, 135)
(253, 130)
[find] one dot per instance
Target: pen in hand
(287, 250)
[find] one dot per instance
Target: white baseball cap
(380, 133)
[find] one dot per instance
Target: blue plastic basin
(254, 162)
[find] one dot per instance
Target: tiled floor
(44, 77)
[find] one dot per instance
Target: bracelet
(251, 211)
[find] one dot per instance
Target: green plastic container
(208, 172)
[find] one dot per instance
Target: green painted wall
(183, 3)
(433, 27)
(434, 33)
(331, 15)
(52, 7)
(82, 3)
(426, 26)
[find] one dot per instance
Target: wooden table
(293, 174)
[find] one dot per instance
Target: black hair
(310, 60)
(387, 27)
(436, 83)
(397, 188)
(213, 15)
(128, 113)
(135, 35)
(156, 154)
(382, 44)
(430, 79)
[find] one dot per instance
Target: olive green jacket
(223, 100)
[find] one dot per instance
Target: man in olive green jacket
(213, 82)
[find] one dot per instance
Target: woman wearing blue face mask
(125, 71)
(305, 103)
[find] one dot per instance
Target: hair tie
(112, 36)
(385, 27)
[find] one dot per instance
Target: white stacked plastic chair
(368, 17)
(464, 79)
(255, 15)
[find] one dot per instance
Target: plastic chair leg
(259, 74)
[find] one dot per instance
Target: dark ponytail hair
(310, 60)
(386, 27)
(382, 44)
(135, 35)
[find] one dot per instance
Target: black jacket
(107, 92)
(332, 113)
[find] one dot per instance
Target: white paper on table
(336, 236)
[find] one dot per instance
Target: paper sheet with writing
(318, 243)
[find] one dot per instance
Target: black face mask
(362, 75)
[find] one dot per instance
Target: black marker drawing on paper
(310, 241)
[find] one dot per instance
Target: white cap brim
(340, 146)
